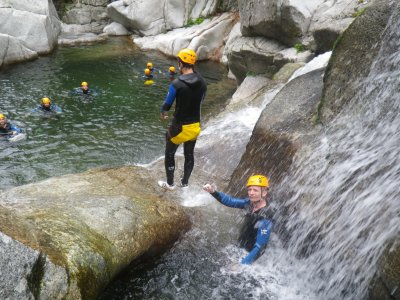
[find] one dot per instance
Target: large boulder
(12, 50)
(258, 55)
(314, 23)
(35, 24)
(27, 28)
(207, 39)
(158, 16)
(285, 126)
(91, 15)
(286, 21)
(78, 231)
(356, 47)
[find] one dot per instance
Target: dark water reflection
(118, 126)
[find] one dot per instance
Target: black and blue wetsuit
(256, 227)
(7, 131)
(51, 109)
(189, 91)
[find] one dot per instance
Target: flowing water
(344, 209)
(118, 126)
(352, 207)
(352, 194)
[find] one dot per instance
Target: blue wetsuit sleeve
(230, 201)
(56, 108)
(15, 128)
(36, 109)
(169, 100)
(263, 233)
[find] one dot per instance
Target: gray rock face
(84, 228)
(116, 29)
(286, 21)
(26, 274)
(158, 16)
(91, 15)
(207, 38)
(228, 5)
(315, 23)
(258, 55)
(27, 29)
(362, 36)
(283, 127)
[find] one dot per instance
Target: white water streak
(347, 192)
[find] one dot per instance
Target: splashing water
(348, 210)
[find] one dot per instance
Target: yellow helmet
(172, 69)
(149, 65)
(46, 100)
(2, 116)
(187, 56)
(84, 83)
(147, 71)
(258, 180)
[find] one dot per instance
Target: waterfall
(345, 209)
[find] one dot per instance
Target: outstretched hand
(209, 188)
(163, 116)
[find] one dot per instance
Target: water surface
(119, 126)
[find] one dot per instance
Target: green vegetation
(338, 40)
(192, 22)
(299, 47)
(358, 13)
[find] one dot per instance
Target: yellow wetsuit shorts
(188, 132)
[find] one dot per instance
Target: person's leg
(170, 149)
(188, 151)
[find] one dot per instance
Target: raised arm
(226, 199)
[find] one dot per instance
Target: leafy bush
(299, 47)
(192, 22)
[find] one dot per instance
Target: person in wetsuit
(171, 73)
(47, 107)
(148, 77)
(189, 90)
(257, 223)
(7, 129)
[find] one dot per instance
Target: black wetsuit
(189, 91)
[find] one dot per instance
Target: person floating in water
(148, 77)
(189, 91)
(83, 90)
(171, 73)
(46, 106)
(7, 130)
(258, 213)
(150, 66)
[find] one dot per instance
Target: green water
(119, 126)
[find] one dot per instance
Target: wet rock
(89, 226)
(358, 46)
(386, 282)
(284, 127)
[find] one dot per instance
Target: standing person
(189, 90)
(7, 129)
(257, 224)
